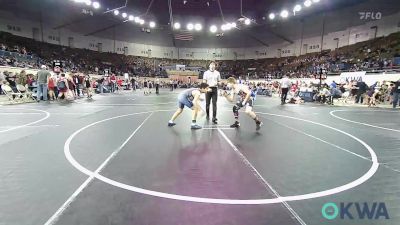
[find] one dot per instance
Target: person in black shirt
(11, 82)
(361, 90)
(77, 82)
(100, 84)
(88, 86)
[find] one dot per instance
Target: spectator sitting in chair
(296, 99)
(11, 80)
(30, 80)
(22, 78)
(323, 94)
(334, 93)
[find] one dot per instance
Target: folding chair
(345, 96)
(12, 96)
(28, 95)
(32, 92)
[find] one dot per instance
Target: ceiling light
(152, 24)
(190, 26)
(213, 29)
(233, 24)
(307, 3)
(96, 5)
(284, 14)
(116, 12)
(124, 15)
(247, 21)
(141, 22)
(137, 20)
(223, 27)
(131, 17)
(297, 8)
(198, 27)
(177, 26)
(272, 16)
(88, 2)
(315, 1)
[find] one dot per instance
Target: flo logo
(370, 15)
(355, 210)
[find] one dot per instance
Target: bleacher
(378, 54)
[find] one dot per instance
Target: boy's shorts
(249, 102)
(184, 101)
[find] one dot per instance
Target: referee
(285, 85)
(212, 77)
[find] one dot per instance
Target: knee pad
(235, 110)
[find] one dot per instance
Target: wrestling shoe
(195, 127)
(171, 124)
(258, 125)
(235, 125)
(215, 121)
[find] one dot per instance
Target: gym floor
(113, 160)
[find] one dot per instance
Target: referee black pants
(284, 95)
(213, 94)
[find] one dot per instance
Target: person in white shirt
(126, 77)
(171, 83)
(212, 77)
(285, 85)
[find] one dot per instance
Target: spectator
(333, 84)
(51, 84)
(323, 94)
(100, 84)
(88, 86)
(171, 83)
(62, 85)
(30, 80)
(334, 93)
(42, 78)
(396, 94)
(22, 78)
(133, 83)
(72, 87)
(126, 77)
(78, 84)
(361, 90)
(11, 80)
(113, 81)
(157, 83)
(2, 80)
